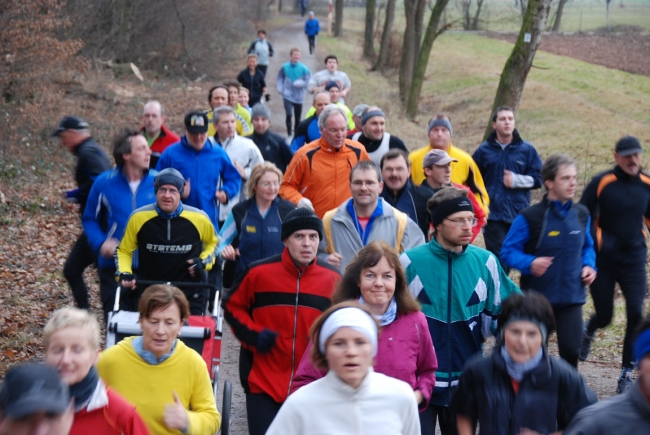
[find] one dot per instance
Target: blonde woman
(71, 339)
(252, 230)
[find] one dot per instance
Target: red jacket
(108, 414)
(277, 295)
(164, 139)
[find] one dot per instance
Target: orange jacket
(321, 174)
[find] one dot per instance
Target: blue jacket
(519, 157)
(405, 200)
(548, 229)
(111, 202)
(258, 237)
(307, 131)
(292, 81)
(312, 27)
(208, 170)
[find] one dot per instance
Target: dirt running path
(283, 40)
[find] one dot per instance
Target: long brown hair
(348, 288)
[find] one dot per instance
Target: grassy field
(504, 16)
(567, 106)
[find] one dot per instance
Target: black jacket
(548, 398)
(274, 149)
(91, 161)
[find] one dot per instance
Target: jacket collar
(292, 267)
(516, 138)
(438, 250)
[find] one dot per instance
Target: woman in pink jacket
(405, 351)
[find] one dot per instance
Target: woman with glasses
(252, 230)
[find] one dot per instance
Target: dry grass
(568, 106)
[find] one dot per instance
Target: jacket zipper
(449, 282)
(295, 330)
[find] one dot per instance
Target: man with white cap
(619, 205)
(460, 288)
(464, 171)
(357, 113)
(35, 401)
(271, 309)
(373, 135)
(437, 169)
(175, 242)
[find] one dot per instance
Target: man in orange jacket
(318, 176)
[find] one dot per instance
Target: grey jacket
(626, 414)
(347, 240)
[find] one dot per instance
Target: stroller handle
(180, 284)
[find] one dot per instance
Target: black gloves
(198, 267)
(266, 341)
(126, 277)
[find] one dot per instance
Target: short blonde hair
(70, 317)
(258, 171)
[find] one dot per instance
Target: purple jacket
(405, 352)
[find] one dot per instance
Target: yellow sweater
(464, 171)
(151, 387)
(243, 124)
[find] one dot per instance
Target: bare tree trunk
(368, 45)
(467, 22)
(338, 17)
(384, 49)
(558, 16)
(423, 59)
(518, 65)
(420, 7)
(479, 5)
(410, 47)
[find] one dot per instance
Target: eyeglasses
(165, 191)
(461, 222)
(268, 183)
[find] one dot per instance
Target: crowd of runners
(349, 272)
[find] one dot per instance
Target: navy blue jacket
(208, 170)
(548, 229)
(258, 237)
(111, 202)
(405, 200)
(519, 157)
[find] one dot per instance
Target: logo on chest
(251, 229)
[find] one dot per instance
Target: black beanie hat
(169, 176)
(301, 219)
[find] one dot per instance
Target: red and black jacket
(276, 294)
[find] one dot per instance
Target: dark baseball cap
(33, 388)
(71, 123)
(628, 145)
(196, 122)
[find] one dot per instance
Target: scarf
(82, 390)
(389, 316)
(518, 370)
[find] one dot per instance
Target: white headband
(349, 317)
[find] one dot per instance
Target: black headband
(450, 207)
(366, 116)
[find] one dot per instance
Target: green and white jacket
(460, 295)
